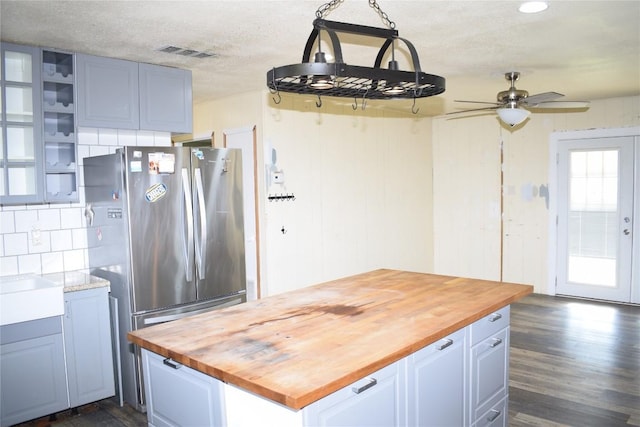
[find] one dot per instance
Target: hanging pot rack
(338, 79)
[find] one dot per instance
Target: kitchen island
(278, 360)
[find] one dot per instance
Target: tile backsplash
(51, 238)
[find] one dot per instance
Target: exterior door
(596, 217)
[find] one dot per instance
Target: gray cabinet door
(165, 99)
(32, 371)
(180, 396)
(107, 92)
(376, 400)
(436, 383)
(88, 346)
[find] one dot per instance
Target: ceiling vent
(185, 52)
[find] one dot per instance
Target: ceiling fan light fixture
(533, 6)
(513, 116)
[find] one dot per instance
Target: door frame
(555, 140)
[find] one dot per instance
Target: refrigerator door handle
(201, 244)
(188, 242)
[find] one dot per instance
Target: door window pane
(17, 67)
(593, 217)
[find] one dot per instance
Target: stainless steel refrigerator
(165, 227)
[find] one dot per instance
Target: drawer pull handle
(493, 415)
(446, 344)
(494, 317)
(171, 363)
(496, 342)
(371, 383)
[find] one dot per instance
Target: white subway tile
(8, 265)
(74, 260)
(83, 151)
(79, 238)
(61, 240)
(26, 221)
(107, 137)
(29, 264)
(126, 137)
(7, 224)
(98, 150)
(1, 247)
(52, 262)
(87, 136)
(71, 218)
(16, 244)
(145, 138)
(39, 241)
(49, 219)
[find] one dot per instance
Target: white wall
(467, 190)
(362, 182)
(51, 238)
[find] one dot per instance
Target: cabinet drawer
(489, 372)
(376, 400)
(489, 325)
(496, 416)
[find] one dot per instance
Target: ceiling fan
(513, 104)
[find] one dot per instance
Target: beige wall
(467, 168)
(361, 180)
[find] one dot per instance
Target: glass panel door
(595, 192)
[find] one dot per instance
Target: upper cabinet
(21, 120)
(120, 94)
(107, 92)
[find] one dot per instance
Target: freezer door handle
(201, 242)
(188, 240)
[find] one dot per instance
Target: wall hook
(283, 230)
(414, 110)
(319, 102)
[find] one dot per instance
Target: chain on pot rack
(324, 10)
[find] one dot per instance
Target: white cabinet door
(107, 92)
(436, 383)
(376, 400)
(165, 99)
(180, 396)
(489, 366)
(87, 336)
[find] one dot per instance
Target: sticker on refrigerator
(198, 153)
(162, 163)
(155, 192)
(135, 166)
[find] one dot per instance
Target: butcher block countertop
(298, 347)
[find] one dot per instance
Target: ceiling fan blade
(538, 98)
(476, 102)
(472, 110)
(562, 104)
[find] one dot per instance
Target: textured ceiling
(585, 49)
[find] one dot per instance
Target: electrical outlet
(36, 237)
(277, 177)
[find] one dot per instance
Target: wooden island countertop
(297, 347)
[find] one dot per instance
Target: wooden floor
(573, 363)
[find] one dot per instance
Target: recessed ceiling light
(533, 6)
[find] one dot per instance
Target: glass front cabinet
(38, 156)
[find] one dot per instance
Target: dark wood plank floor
(573, 363)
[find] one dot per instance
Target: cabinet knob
(493, 415)
(371, 383)
(494, 317)
(171, 363)
(446, 344)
